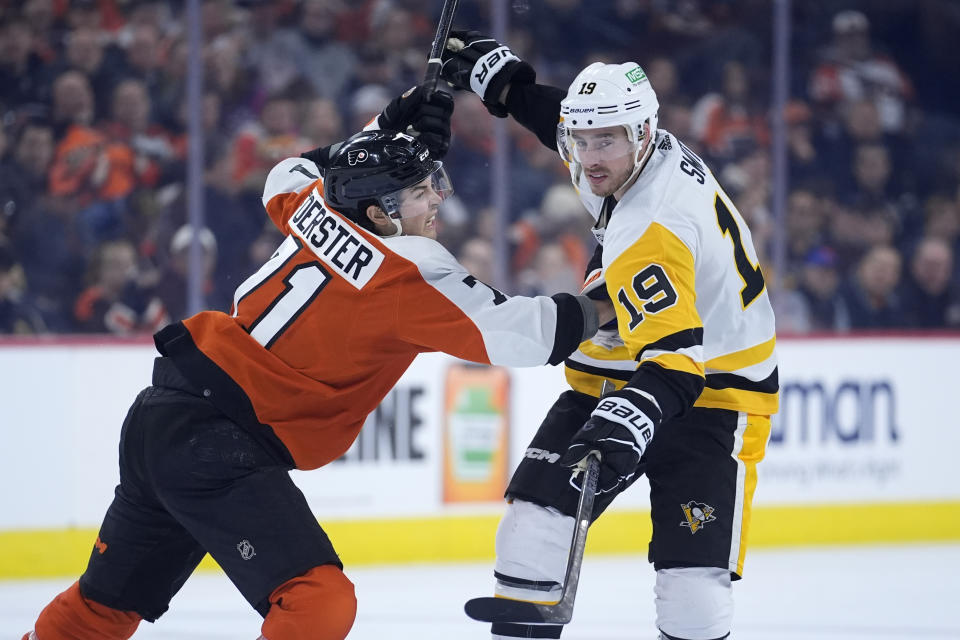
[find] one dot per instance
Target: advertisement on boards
(862, 420)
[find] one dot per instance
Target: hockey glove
(321, 155)
(480, 64)
(620, 431)
(428, 116)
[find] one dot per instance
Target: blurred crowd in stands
(93, 233)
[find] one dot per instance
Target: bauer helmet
(373, 168)
(605, 95)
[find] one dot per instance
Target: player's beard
(610, 184)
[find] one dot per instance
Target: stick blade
(517, 611)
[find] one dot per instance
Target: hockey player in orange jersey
(315, 339)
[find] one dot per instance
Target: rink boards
(863, 451)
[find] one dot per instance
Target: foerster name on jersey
(336, 242)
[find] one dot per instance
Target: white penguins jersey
(679, 265)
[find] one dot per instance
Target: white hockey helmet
(605, 95)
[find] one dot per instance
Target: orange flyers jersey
(326, 327)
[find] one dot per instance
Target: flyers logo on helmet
(357, 156)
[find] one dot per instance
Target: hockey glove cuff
(480, 64)
(620, 430)
(321, 155)
(428, 116)
(591, 320)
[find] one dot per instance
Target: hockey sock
(694, 603)
(318, 605)
(71, 616)
(508, 631)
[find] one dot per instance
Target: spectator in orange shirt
(85, 179)
(80, 164)
(115, 302)
(731, 122)
(852, 70)
(140, 148)
(259, 146)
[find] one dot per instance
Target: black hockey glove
(480, 64)
(620, 431)
(321, 155)
(430, 117)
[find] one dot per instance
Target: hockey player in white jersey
(691, 353)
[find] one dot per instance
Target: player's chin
(602, 189)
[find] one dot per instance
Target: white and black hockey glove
(428, 116)
(620, 430)
(480, 64)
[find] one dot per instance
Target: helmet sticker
(356, 156)
(635, 75)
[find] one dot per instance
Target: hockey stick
(560, 612)
(439, 42)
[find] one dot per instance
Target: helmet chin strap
(394, 223)
(398, 230)
(638, 164)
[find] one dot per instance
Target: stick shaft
(518, 611)
(439, 42)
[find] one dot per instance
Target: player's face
(606, 155)
(418, 209)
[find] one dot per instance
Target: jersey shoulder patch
(289, 176)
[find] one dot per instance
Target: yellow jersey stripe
(599, 352)
(753, 447)
(590, 383)
(739, 400)
(744, 358)
(677, 362)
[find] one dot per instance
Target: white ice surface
(841, 593)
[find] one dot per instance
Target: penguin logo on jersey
(697, 514)
(246, 549)
(357, 156)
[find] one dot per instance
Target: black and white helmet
(605, 95)
(373, 167)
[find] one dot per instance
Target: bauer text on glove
(480, 64)
(620, 431)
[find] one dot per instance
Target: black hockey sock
(511, 630)
(666, 636)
